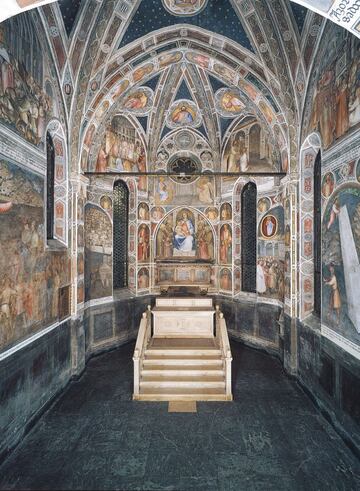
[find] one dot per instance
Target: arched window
(248, 245)
(50, 186)
(120, 238)
(317, 235)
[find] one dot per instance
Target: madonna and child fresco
(185, 235)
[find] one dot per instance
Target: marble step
(181, 352)
(210, 363)
(180, 374)
(196, 370)
(180, 383)
(181, 394)
(178, 342)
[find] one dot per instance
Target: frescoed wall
(341, 258)
(333, 105)
(185, 235)
(31, 278)
(98, 253)
(249, 148)
(331, 121)
(26, 94)
(272, 259)
(121, 149)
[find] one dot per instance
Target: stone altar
(183, 317)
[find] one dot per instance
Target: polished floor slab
(270, 437)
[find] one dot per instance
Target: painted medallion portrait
(184, 8)
(263, 205)
(212, 213)
(139, 101)
(106, 203)
(328, 184)
(183, 113)
(269, 226)
(157, 213)
(228, 102)
(143, 212)
(249, 89)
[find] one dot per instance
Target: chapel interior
(179, 245)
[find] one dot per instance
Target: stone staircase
(182, 369)
(184, 354)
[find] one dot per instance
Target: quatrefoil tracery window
(184, 170)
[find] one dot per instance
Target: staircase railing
(142, 342)
(222, 339)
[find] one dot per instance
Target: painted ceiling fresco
(69, 10)
(218, 16)
(300, 13)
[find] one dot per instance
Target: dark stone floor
(96, 437)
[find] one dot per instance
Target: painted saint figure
(269, 226)
(183, 116)
(244, 162)
(225, 244)
(234, 156)
(143, 243)
(334, 213)
(335, 299)
(260, 278)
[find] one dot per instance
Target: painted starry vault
(217, 16)
(69, 10)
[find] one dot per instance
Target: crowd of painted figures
(23, 104)
(270, 277)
